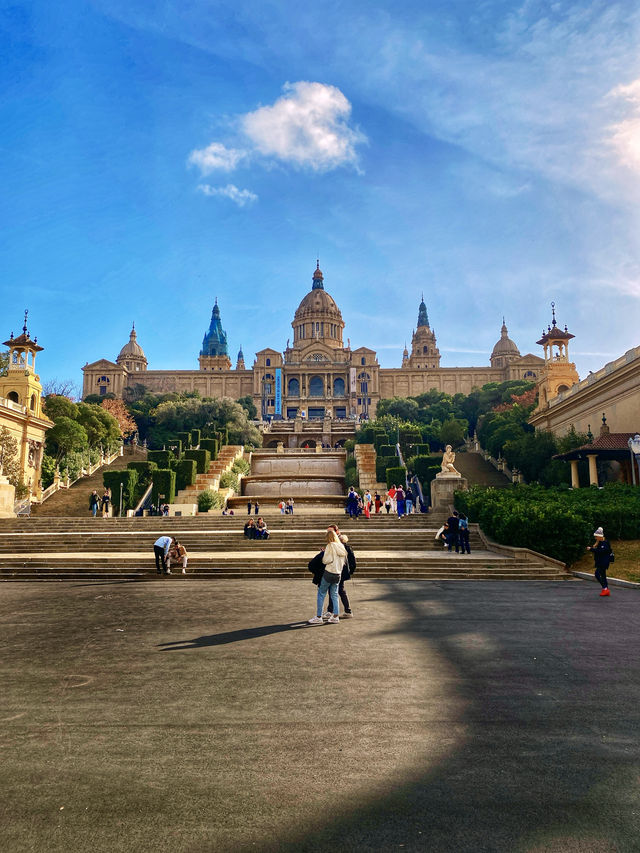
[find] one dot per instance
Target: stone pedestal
(7, 498)
(442, 488)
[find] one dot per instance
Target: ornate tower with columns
(214, 354)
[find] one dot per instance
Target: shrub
(349, 445)
(160, 457)
(241, 466)
(128, 478)
(386, 450)
(425, 468)
(396, 475)
(164, 483)
(351, 478)
(210, 444)
(421, 449)
(185, 439)
(175, 446)
(229, 480)
(202, 459)
(557, 521)
(195, 437)
(143, 468)
(382, 463)
(208, 500)
(186, 470)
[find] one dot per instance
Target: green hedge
(144, 469)
(386, 450)
(396, 475)
(185, 438)
(209, 500)
(229, 480)
(425, 468)
(195, 437)
(175, 446)
(556, 521)
(421, 449)
(186, 470)
(210, 444)
(382, 463)
(112, 480)
(160, 457)
(164, 483)
(202, 458)
(379, 439)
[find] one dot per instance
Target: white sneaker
(317, 620)
(333, 619)
(326, 615)
(184, 571)
(348, 615)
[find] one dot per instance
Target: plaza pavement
(446, 716)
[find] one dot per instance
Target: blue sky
(155, 155)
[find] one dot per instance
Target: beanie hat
(599, 532)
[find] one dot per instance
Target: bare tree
(62, 387)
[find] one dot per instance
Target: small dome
(133, 348)
(505, 346)
(318, 302)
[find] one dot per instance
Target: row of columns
(593, 471)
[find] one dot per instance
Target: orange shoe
(605, 592)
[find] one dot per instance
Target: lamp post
(634, 450)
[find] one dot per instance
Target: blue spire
(423, 318)
(240, 354)
(318, 278)
(215, 341)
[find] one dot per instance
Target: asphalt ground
(446, 716)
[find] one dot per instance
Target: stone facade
(316, 376)
(21, 408)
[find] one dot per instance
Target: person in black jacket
(602, 557)
(452, 534)
(347, 570)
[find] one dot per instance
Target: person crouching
(333, 560)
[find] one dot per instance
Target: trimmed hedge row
(557, 521)
(396, 476)
(195, 437)
(425, 468)
(202, 459)
(128, 477)
(210, 444)
(186, 470)
(175, 446)
(162, 458)
(185, 438)
(164, 483)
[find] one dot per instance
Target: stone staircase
(74, 502)
(211, 480)
(479, 472)
(122, 549)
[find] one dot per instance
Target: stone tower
(505, 351)
(132, 355)
(214, 354)
(240, 360)
(424, 350)
(558, 373)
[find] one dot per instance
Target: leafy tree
(57, 406)
(65, 436)
(453, 432)
(404, 408)
(208, 415)
(9, 461)
(4, 362)
(249, 406)
(118, 410)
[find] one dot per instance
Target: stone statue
(448, 458)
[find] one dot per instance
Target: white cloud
(625, 135)
(240, 197)
(216, 156)
(308, 126)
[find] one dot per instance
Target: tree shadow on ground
(550, 757)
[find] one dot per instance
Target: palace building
(316, 376)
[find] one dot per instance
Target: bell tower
(22, 385)
(558, 373)
(214, 354)
(424, 349)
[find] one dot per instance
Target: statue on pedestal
(448, 468)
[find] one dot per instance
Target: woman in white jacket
(333, 558)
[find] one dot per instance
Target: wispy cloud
(231, 191)
(216, 157)
(625, 134)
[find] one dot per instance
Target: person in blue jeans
(463, 534)
(602, 557)
(333, 561)
(94, 503)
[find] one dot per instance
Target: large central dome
(317, 317)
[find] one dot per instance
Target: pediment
(102, 364)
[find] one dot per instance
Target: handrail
(143, 499)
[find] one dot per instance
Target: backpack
(463, 524)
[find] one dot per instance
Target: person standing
(256, 507)
(392, 496)
(453, 523)
(94, 503)
(290, 503)
(463, 534)
(400, 501)
(602, 558)
(387, 504)
(248, 507)
(106, 500)
(161, 551)
(377, 502)
(352, 502)
(333, 561)
(409, 499)
(348, 569)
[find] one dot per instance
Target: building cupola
(318, 278)
(132, 356)
(505, 350)
(317, 318)
(240, 360)
(214, 354)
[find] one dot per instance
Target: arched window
(338, 387)
(293, 387)
(316, 386)
(529, 374)
(268, 362)
(425, 350)
(562, 388)
(13, 396)
(32, 403)
(363, 360)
